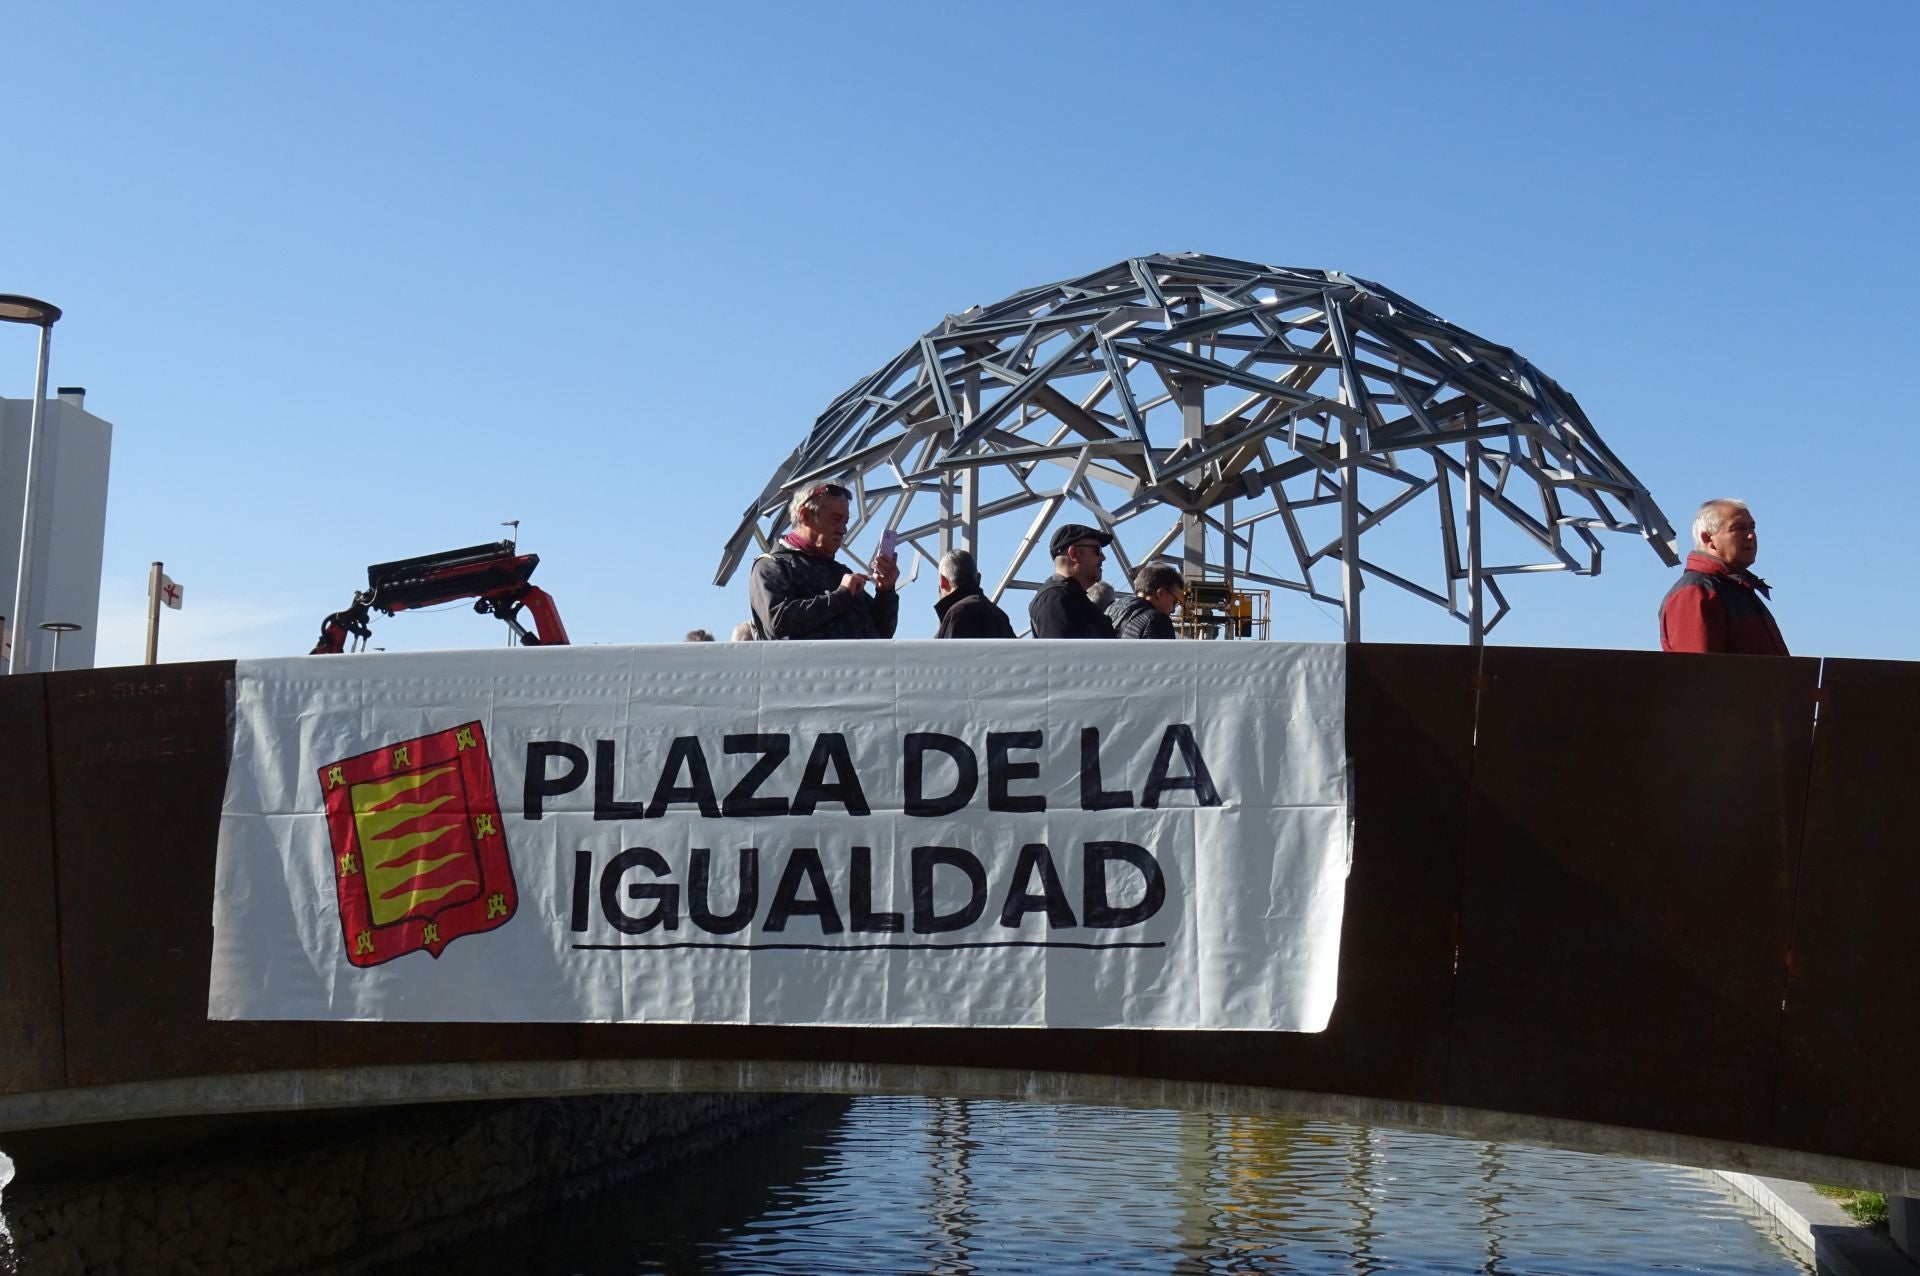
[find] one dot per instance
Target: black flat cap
(1072, 534)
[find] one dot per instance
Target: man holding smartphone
(799, 590)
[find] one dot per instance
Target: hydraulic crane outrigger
(493, 575)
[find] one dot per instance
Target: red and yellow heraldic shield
(419, 849)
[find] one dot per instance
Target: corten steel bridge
(1619, 901)
(1320, 409)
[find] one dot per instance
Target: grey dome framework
(1281, 415)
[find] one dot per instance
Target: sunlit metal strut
(1283, 416)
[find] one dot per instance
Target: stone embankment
(369, 1186)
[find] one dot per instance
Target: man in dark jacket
(1061, 608)
(964, 611)
(1717, 604)
(1157, 590)
(799, 591)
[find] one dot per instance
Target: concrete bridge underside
(1612, 901)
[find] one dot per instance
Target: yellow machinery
(1214, 609)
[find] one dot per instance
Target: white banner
(980, 834)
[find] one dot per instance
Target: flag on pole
(170, 593)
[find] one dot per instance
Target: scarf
(794, 540)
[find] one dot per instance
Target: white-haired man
(964, 609)
(1718, 605)
(800, 591)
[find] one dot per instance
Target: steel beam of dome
(1229, 394)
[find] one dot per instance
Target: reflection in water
(1361, 1185)
(1491, 1214)
(951, 1206)
(954, 1186)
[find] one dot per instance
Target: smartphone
(888, 540)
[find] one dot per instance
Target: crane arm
(493, 575)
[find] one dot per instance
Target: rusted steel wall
(1850, 1036)
(1628, 899)
(1612, 887)
(138, 759)
(30, 1012)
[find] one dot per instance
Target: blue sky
(358, 281)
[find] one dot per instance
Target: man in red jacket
(1717, 604)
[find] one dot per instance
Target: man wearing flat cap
(1061, 608)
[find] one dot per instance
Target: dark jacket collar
(1714, 565)
(942, 606)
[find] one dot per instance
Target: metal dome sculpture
(1232, 395)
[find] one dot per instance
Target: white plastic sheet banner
(983, 834)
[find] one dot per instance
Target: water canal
(956, 1186)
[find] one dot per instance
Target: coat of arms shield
(419, 848)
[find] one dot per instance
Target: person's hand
(886, 571)
(854, 583)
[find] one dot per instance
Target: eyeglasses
(830, 489)
(1092, 545)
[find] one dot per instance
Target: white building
(70, 525)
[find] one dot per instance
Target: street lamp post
(42, 315)
(56, 628)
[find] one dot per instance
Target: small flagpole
(153, 615)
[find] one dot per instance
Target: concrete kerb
(1823, 1233)
(374, 1086)
(1903, 1223)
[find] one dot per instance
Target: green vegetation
(1865, 1207)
